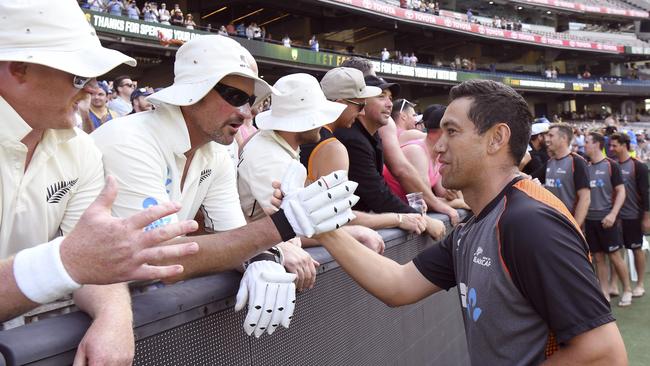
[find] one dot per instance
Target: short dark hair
(598, 138)
(359, 63)
(493, 103)
(564, 129)
(621, 138)
(397, 105)
(118, 81)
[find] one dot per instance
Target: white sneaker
(626, 299)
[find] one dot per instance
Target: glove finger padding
(255, 306)
(267, 309)
(335, 222)
(323, 184)
(279, 309)
(291, 305)
(338, 193)
(330, 209)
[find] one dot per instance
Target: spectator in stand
(139, 101)
(295, 117)
(189, 21)
(554, 72)
(470, 15)
(98, 112)
(149, 14)
(115, 7)
(132, 10)
(177, 16)
(286, 41)
(97, 5)
(436, 8)
(123, 88)
(313, 43)
(230, 28)
(393, 156)
(565, 174)
(365, 152)
(421, 153)
(346, 86)
(197, 115)
(223, 31)
(241, 30)
(163, 15)
(249, 31)
(413, 60)
(405, 117)
(586, 74)
(635, 218)
(602, 229)
(385, 55)
(64, 163)
(256, 31)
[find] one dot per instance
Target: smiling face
(214, 119)
(461, 149)
(377, 110)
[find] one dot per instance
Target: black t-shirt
(525, 280)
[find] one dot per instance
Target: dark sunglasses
(80, 82)
(360, 105)
(235, 97)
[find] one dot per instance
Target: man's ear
(499, 137)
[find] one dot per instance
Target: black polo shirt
(366, 164)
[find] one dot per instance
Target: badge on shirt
(58, 190)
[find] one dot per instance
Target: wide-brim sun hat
(201, 63)
(56, 35)
(300, 106)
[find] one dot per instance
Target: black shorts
(632, 234)
(602, 240)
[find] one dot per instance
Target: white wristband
(40, 274)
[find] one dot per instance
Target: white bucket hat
(300, 106)
(54, 34)
(346, 82)
(201, 63)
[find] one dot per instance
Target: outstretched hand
(102, 249)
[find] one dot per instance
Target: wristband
(399, 218)
(40, 274)
(283, 225)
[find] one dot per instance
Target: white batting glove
(271, 296)
(323, 206)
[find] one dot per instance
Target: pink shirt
(433, 172)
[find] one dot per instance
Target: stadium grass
(634, 324)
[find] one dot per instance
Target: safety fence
(335, 323)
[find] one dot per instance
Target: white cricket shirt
(63, 178)
(145, 153)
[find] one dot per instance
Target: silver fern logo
(204, 175)
(58, 190)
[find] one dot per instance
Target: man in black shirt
(538, 152)
(526, 287)
(365, 152)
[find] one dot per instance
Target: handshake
(323, 206)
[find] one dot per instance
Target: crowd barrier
(335, 323)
